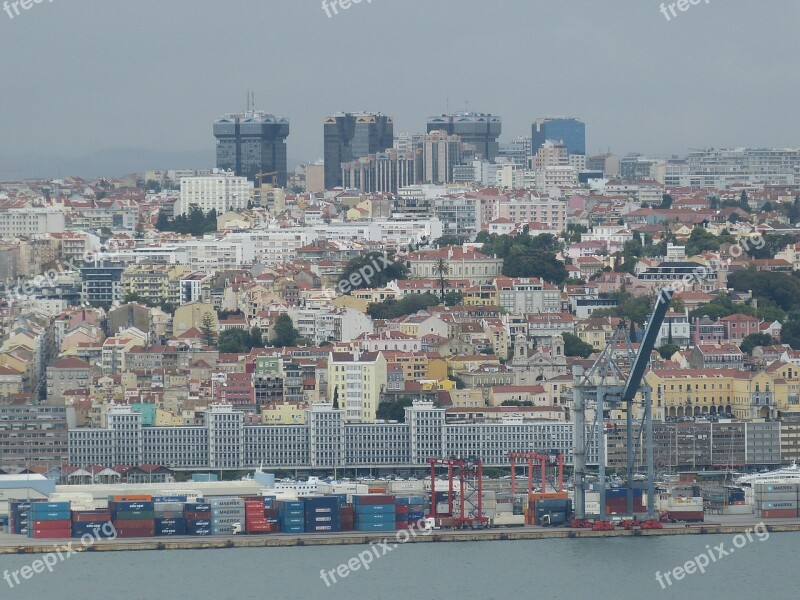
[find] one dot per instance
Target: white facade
(221, 191)
(17, 222)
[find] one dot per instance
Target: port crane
(605, 386)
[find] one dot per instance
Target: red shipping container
(202, 515)
(401, 510)
(136, 532)
(375, 499)
(779, 513)
(51, 525)
(271, 513)
(689, 515)
(90, 516)
(53, 534)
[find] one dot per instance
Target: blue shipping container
(375, 517)
(197, 507)
(49, 506)
(387, 526)
(374, 509)
(64, 515)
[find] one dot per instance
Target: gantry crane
(542, 461)
(605, 386)
(461, 471)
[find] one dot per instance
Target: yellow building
(696, 392)
(469, 362)
(284, 413)
(597, 332)
(191, 316)
(356, 380)
(155, 283)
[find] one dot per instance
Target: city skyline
(168, 103)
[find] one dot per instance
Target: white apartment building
(29, 221)
(533, 208)
(561, 177)
(527, 295)
(360, 378)
(219, 191)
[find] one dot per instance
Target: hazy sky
(130, 84)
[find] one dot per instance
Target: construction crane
(605, 386)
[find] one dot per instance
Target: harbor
(733, 525)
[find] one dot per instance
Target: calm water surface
(611, 568)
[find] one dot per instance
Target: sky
(108, 87)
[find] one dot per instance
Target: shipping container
(197, 507)
(777, 514)
(371, 509)
(381, 526)
(776, 506)
(170, 527)
(374, 499)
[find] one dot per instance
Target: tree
(790, 334)
(207, 329)
(336, 398)
(666, 201)
(285, 333)
(234, 341)
(394, 411)
(391, 308)
(450, 240)
(442, 269)
(256, 339)
(575, 346)
(668, 350)
(453, 298)
(753, 340)
(371, 271)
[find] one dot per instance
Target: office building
(219, 191)
(480, 130)
(252, 142)
(350, 136)
(570, 131)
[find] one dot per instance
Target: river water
(602, 568)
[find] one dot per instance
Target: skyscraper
(479, 129)
(568, 130)
(349, 136)
(252, 142)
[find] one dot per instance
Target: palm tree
(442, 269)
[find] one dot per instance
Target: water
(603, 569)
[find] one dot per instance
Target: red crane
(541, 460)
(460, 472)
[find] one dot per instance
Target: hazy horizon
(94, 87)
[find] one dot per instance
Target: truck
(508, 520)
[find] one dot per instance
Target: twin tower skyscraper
(253, 143)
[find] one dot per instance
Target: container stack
(19, 516)
(617, 501)
(292, 516)
(227, 515)
(133, 518)
(374, 512)
(49, 520)
(198, 518)
(776, 500)
(408, 511)
(556, 504)
(255, 520)
(169, 516)
(96, 523)
(346, 518)
(322, 514)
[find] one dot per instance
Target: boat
(790, 474)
